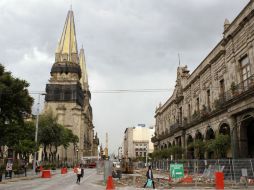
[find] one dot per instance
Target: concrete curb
(18, 179)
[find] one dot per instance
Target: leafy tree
(199, 148)
(219, 145)
(15, 103)
(176, 151)
(23, 143)
(51, 135)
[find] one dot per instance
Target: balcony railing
(175, 127)
(236, 91)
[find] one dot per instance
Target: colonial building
(217, 97)
(137, 141)
(68, 95)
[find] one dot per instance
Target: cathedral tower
(68, 95)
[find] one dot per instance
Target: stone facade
(217, 97)
(137, 141)
(68, 96)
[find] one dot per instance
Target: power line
(112, 91)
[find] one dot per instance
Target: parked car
(92, 165)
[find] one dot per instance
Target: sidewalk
(30, 175)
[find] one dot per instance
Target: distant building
(137, 141)
(216, 98)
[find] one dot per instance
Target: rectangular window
(189, 112)
(197, 104)
(222, 87)
(208, 99)
(245, 67)
(180, 115)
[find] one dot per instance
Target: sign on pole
(176, 171)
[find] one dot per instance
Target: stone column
(251, 55)
(234, 137)
(184, 147)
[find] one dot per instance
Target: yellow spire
(84, 76)
(67, 46)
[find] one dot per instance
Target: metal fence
(236, 171)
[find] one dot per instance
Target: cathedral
(68, 95)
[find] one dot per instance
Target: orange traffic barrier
(46, 174)
(110, 184)
(219, 180)
(63, 170)
(187, 179)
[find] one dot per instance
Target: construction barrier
(110, 183)
(46, 174)
(219, 180)
(63, 170)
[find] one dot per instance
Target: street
(90, 181)
(57, 182)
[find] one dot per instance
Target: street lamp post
(36, 129)
(77, 155)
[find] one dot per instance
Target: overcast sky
(129, 44)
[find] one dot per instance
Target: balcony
(175, 128)
(239, 89)
(237, 93)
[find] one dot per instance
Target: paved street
(90, 181)
(57, 182)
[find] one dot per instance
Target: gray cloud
(128, 44)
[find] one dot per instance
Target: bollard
(63, 170)
(219, 180)
(46, 174)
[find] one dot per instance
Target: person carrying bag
(149, 175)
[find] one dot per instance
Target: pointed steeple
(67, 46)
(84, 76)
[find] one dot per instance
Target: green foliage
(15, 103)
(199, 148)
(15, 99)
(219, 145)
(233, 87)
(52, 135)
(22, 140)
(176, 151)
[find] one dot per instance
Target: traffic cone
(110, 184)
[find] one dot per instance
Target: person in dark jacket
(82, 170)
(149, 175)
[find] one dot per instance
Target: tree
(24, 143)
(15, 103)
(220, 145)
(51, 135)
(199, 148)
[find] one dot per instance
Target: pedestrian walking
(78, 175)
(8, 169)
(25, 166)
(82, 170)
(149, 181)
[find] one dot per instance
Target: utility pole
(36, 130)
(147, 146)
